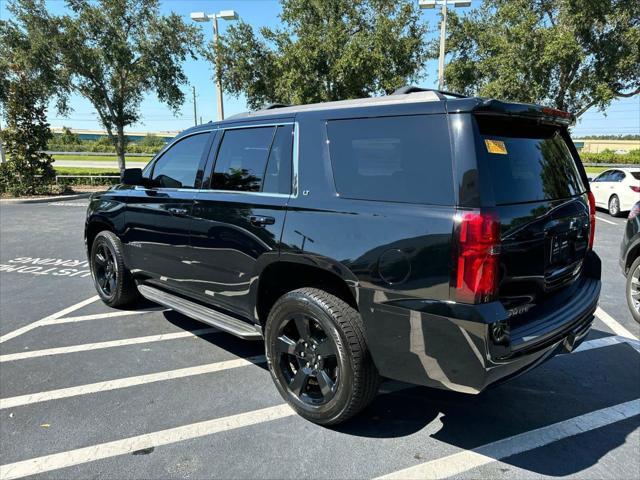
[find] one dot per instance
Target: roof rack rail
(413, 89)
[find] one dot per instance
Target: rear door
(238, 219)
(598, 187)
(539, 193)
(158, 216)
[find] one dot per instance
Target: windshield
(527, 162)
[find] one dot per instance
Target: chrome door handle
(261, 220)
(178, 211)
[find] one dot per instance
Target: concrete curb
(56, 198)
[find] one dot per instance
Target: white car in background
(617, 189)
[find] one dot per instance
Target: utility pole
(195, 108)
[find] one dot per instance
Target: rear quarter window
(395, 159)
(527, 162)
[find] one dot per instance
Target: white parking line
(109, 344)
(54, 316)
(92, 453)
(96, 316)
(388, 387)
(613, 324)
(458, 463)
(128, 382)
(608, 341)
(605, 220)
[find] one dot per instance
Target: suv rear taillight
(475, 278)
(635, 189)
(592, 218)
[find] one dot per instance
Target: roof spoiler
(544, 114)
(442, 94)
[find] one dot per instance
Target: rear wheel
(633, 289)
(112, 280)
(318, 357)
(614, 206)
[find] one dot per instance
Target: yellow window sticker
(496, 146)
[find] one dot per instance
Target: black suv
(425, 237)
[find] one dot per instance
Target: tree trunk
(2, 157)
(120, 149)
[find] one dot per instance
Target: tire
(112, 280)
(614, 206)
(336, 387)
(633, 288)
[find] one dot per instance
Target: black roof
(441, 101)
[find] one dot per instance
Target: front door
(158, 217)
(238, 222)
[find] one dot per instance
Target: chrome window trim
(294, 161)
(294, 157)
(160, 154)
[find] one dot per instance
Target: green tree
(113, 52)
(325, 50)
(569, 54)
(28, 81)
(29, 170)
(152, 141)
(67, 137)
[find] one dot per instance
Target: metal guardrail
(98, 154)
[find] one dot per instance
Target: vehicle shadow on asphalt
(223, 340)
(565, 387)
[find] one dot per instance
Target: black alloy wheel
(113, 281)
(307, 359)
(105, 269)
(318, 357)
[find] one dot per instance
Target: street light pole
(443, 29)
(203, 17)
(443, 36)
(216, 43)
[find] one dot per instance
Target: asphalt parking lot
(91, 392)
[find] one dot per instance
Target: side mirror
(132, 176)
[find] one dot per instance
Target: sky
(621, 117)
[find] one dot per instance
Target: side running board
(198, 312)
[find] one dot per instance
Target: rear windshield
(636, 175)
(527, 162)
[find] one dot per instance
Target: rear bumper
(451, 346)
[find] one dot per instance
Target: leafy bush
(607, 156)
(102, 146)
(27, 171)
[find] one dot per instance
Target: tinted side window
(604, 177)
(242, 159)
(617, 176)
(396, 159)
(178, 166)
(277, 177)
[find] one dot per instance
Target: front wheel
(318, 357)
(614, 206)
(632, 289)
(112, 280)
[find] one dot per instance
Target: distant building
(132, 136)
